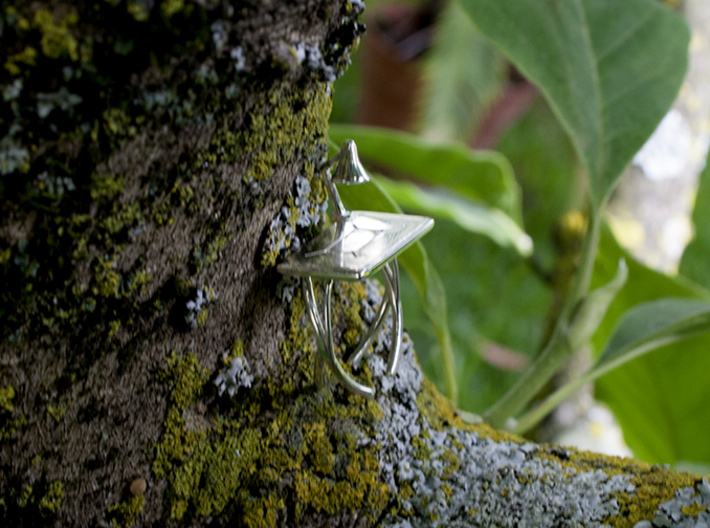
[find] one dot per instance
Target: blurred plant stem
(562, 343)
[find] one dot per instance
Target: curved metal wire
(390, 300)
(324, 334)
(391, 275)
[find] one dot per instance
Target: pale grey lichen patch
(452, 478)
(195, 307)
(286, 288)
(160, 99)
(311, 58)
(687, 509)
(372, 301)
(220, 35)
(308, 213)
(231, 378)
(12, 91)
(61, 99)
(237, 56)
(55, 185)
(282, 234)
(12, 155)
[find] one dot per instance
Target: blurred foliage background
(424, 68)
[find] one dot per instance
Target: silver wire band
(324, 334)
(324, 331)
(390, 300)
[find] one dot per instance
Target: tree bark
(156, 160)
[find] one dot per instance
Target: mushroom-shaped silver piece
(356, 245)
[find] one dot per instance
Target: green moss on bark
(238, 458)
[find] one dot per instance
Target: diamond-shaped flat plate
(357, 247)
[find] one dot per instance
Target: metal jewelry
(356, 245)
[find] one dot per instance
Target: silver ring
(353, 247)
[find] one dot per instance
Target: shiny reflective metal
(356, 245)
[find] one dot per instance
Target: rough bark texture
(156, 159)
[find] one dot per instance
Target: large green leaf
(479, 175)
(660, 399)
(610, 69)
(695, 263)
(463, 72)
(414, 260)
(467, 214)
(643, 329)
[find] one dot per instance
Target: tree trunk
(156, 160)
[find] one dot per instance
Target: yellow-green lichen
(207, 253)
(125, 513)
(361, 488)
(184, 378)
(353, 292)
(57, 413)
(170, 7)
(437, 410)
(113, 328)
(274, 133)
(321, 452)
(27, 56)
(694, 509)
(124, 217)
(51, 504)
(8, 425)
(7, 394)
(106, 186)
(24, 499)
(108, 281)
(235, 351)
(139, 281)
(280, 128)
(57, 40)
(261, 513)
(136, 8)
(5, 256)
(653, 484)
(118, 123)
(202, 317)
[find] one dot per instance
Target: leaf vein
(625, 37)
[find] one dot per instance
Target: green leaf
(661, 402)
(651, 325)
(415, 262)
(545, 165)
(643, 285)
(463, 72)
(696, 256)
(643, 329)
(660, 399)
(609, 69)
(479, 175)
(466, 213)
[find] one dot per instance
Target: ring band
(322, 323)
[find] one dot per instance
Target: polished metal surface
(349, 170)
(356, 247)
